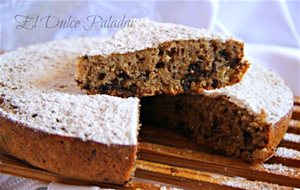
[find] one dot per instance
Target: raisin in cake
(245, 120)
(152, 58)
(47, 121)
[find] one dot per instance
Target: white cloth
(270, 29)
(8, 182)
(58, 186)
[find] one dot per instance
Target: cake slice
(152, 58)
(246, 120)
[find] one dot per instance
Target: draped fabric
(270, 30)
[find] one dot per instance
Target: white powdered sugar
(243, 183)
(281, 169)
(145, 33)
(38, 89)
(287, 153)
(292, 137)
(259, 91)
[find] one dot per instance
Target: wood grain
(171, 160)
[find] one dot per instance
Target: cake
(48, 121)
(151, 58)
(246, 120)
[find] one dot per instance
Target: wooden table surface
(168, 159)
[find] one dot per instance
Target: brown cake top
(38, 89)
(145, 33)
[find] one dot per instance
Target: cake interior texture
(171, 65)
(211, 121)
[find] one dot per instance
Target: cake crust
(68, 156)
(276, 134)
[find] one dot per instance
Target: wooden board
(168, 159)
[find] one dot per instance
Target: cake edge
(68, 156)
(277, 131)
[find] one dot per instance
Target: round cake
(46, 120)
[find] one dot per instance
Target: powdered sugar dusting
(287, 153)
(259, 91)
(292, 137)
(149, 34)
(243, 183)
(281, 169)
(251, 185)
(38, 89)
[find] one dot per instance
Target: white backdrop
(270, 29)
(264, 22)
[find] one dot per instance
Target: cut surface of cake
(151, 58)
(245, 120)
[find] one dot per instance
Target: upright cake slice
(152, 58)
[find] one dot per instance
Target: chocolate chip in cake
(133, 88)
(224, 53)
(160, 65)
(123, 75)
(171, 52)
(101, 76)
(233, 62)
(104, 88)
(128, 92)
(94, 152)
(142, 59)
(247, 138)
(186, 83)
(215, 83)
(86, 86)
(160, 52)
(195, 69)
(147, 73)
